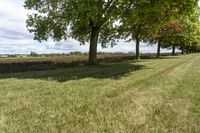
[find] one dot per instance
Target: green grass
(148, 96)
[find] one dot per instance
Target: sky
(15, 39)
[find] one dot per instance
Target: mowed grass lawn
(147, 96)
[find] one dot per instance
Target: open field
(147, 96)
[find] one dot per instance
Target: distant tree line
(167, 23)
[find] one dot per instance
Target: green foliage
(188, 38)
(72, 18)
(84, 20)
(180, 30)
(139, 18)
(145, 17)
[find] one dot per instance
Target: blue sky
(15, 39)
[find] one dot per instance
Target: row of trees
(182, 34)
(168, 23)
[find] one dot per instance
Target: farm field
(18, 64)
(147, 96)
(24, 64)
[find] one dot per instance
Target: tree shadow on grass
(106, 70)
(158, 58)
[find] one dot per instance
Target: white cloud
(14, 37)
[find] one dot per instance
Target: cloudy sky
(15, 39)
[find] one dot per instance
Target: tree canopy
(104, 21)
(174, 33)
(141, 19)
(84, 20)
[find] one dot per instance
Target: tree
(172, 32)
(84, 20)
(168, 36)
(139, 20)
(144, 18)
(192, 34)
(33, 54)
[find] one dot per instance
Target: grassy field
(147, 96)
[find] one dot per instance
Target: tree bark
(137, 57)
(188, 51)
(158, 50)
(182, 50)
(93, 46)
(173, 49)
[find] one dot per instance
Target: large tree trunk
(173, 49)
(137, 57)
(188, 51)
(182, 50)
(158, 50)
(93, 46)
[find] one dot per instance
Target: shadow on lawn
(107, 70)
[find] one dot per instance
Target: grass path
(157, 95)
